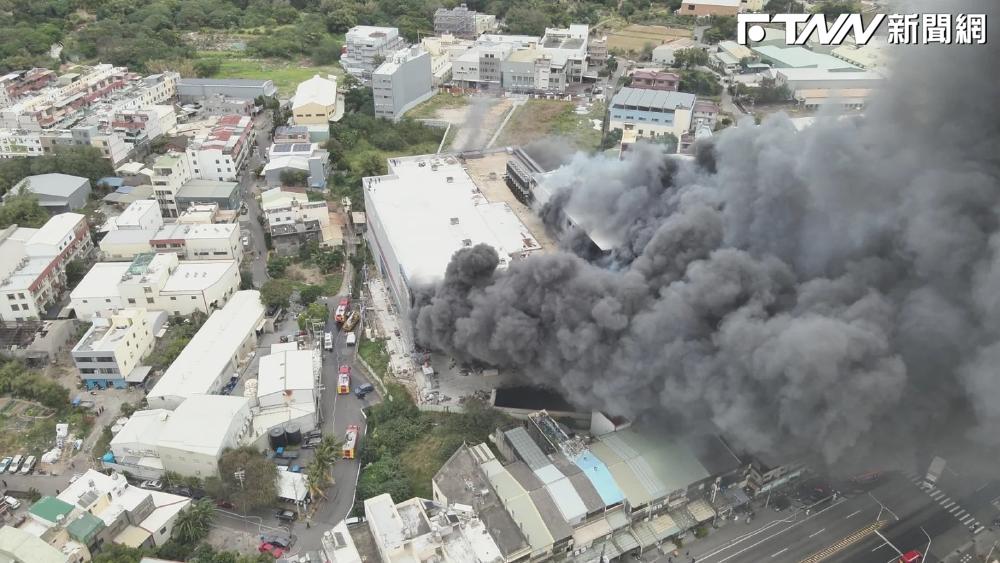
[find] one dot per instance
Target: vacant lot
(553, 118)
(635, 37)
(28, 428)
(430, 108)
(285, 74)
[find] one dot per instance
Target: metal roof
(600, 478)
(50, 509)
(659, 99)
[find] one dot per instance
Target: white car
(12, 502)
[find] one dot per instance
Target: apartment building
(33, 264)
(187, 241)
(220, 151)
(170, 172)
(444, 50)
(401, 82)
(655, 80)
(111, 351)
(145, 124)
(460, 21)
(365, 45)
(567, 47)
(15, 85)
(652, 113)
(156, 282)
(293, 220)
(297, 156)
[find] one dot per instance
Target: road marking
(960, 513)
(856, 512)
(937, 494)
(950, 504)
(967, 519)
(954, 509)
(778, 533)
(987, 484)
(879, 547)
(817, 533)
(844, 543)
(780, 552)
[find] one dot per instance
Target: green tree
(720, 28)
(276, 293)
(525, 19)
(246, 279)
(326, 52)
(700, 82)
(258, 487)
(689, 58)
(276, 266)
(118, 553)
(294, 177)
(75, 270)
(309, 294)
(23, 210)
(329, 259)
(834, 8)
(194, 522)
(207, 67)
(315, 312)
(783, 7)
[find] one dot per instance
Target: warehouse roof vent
(454, 220)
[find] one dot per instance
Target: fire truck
(350, 442)
(344, 380)
(340, 315)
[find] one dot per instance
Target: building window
(173, 299)
(20, 295)
(11, 296)
(131, 301)
(147, 289)
(105, 359)
(149, 300)
(193, 297)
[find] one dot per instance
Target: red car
(273, 550)
(345, 370)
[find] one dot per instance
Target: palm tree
(318, 471)
(328, 450)
(194, 522)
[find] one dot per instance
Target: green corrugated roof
(50, 509)
(84, 528)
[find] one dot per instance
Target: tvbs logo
(800, 27)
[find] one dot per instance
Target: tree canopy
(256, 487)
(23, 210)
(83, 161)
(276, 292)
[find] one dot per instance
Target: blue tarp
(109, 457)
(111, 181)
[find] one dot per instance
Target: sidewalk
(387, 326)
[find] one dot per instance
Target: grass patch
(540, 118)
(34, 436)
(429, 109)
(635, 37)
(285, 74)
(373, 352)
(103, 444)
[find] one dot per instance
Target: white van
(15, 464)
(29, 465)
(352, 339)
(328, 341)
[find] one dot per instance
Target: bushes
(16, 380)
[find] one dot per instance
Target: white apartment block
(33, 264)
(401, 82)
(282, 207)
(220, 152)
(170, 172)
(156, 282)
(364, 44)
(15, 143)
(110, 352)
(187, 241)
(141, 214)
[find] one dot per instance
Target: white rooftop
(197, 275)
(285, 370)
(430, 208)
(316, 90)
(143, 427)
(201, 423)
(135, 211)
(291, 485)
(209, 352)
(823, 74)
(56, 229)
(384, 520)
(101, 281)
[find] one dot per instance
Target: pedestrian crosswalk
(949, 505)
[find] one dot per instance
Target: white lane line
(814, 534)
(772, 536)
(937, 494)
(954, 509)
(780, 552)
(960, 513)
(967, 519)
(950, 504)
(855, 513)
(879, 547)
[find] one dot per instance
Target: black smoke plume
(835, 289)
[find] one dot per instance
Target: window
(149, 300)
(10, 296)
(87, 370)
(84, 359)
(107, 371)
(20, 296)
(173, 299)
(131, 301)
(105, 359)
(147, 289)
(193, 297)
(107, 301)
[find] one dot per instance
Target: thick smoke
(835, 289)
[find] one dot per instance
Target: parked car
(5, 463)
(152, 485)
(271, 549)
(361, 390)
(12, 502)
(15, 464)
(28, 465)
(281, 541)
(286, 515)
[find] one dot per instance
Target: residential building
(15, 143)
(654, 80)
(410, 530)
(225, 194)
(288, 391)
(17, 84)
(316, 102)
(401, 82)
(145, 124)
(531, 70)
(139, 215)
(218, 351)
(187, 241)
(111, 351)
(338, 545)
(704, 8)
(597, 51)
(199, 430)
(97, 509)
(291, 134)
(221, 105)
(479, 67)
(221, 151)
(114, 146)
(423, 211)
(651, 113)
(194, 89)
(730, 56)
(55, 192)
(444, 50)
(664, 54)
(206, 214)
(293, 220)
(19, 546)
(301, 157)
(705, 113)
(567, 47)
(33, 264)
(156, 282)
(460, 21)
(365, 46)
(170, 172)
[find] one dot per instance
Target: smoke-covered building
(423, 211)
